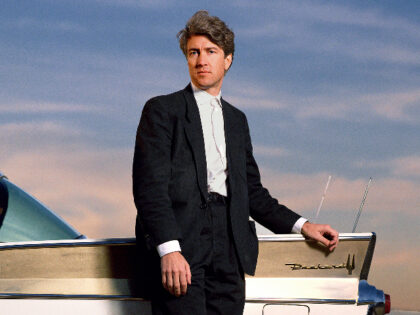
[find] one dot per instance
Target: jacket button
(203, 206)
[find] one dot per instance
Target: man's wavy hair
(201, 23)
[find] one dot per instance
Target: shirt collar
(202, 97)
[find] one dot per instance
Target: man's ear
(228, 62)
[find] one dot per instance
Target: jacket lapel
(194, 133)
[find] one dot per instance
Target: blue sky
(329, 88)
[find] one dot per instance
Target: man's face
(207, 63)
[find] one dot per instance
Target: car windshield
(23, 218)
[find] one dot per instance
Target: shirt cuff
(298, 225)
(168, 247)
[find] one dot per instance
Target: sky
(330, 88)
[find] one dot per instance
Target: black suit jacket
(170, 179)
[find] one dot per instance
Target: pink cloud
(91, 189)
(407, 166)
(394, 106)
(304, 191)
(394, 271)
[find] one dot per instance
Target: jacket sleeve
(263, 208)
(152, 173)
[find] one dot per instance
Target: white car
(47, 267)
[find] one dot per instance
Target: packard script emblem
(349, 266)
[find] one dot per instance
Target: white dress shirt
(211, 115)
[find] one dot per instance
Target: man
(196, 183)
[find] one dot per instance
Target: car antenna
(361, 205)
(322, 198)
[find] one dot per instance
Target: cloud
(407, 167)
(345, 15)
(30, 23)
(256, 103)
(261, 150)
(303, 27)
(400, 256)
(144, 4)
(31, 107)
(304, 191)
(326, 107)
(91, 77)
(332, 13)
(257, 96)
(86, 184)
(396, 106)
(392, 271)
(340, 104)
(20, 137)
(294, 11)
(89, 188)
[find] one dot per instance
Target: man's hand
(322, 233)
(176, 274)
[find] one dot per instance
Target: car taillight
(387, 304)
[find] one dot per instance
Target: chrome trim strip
(299, 237)
(69, 296)
(71, 242)
(308, 301)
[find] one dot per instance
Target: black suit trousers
(218, 285)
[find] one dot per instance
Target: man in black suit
(196, 183)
